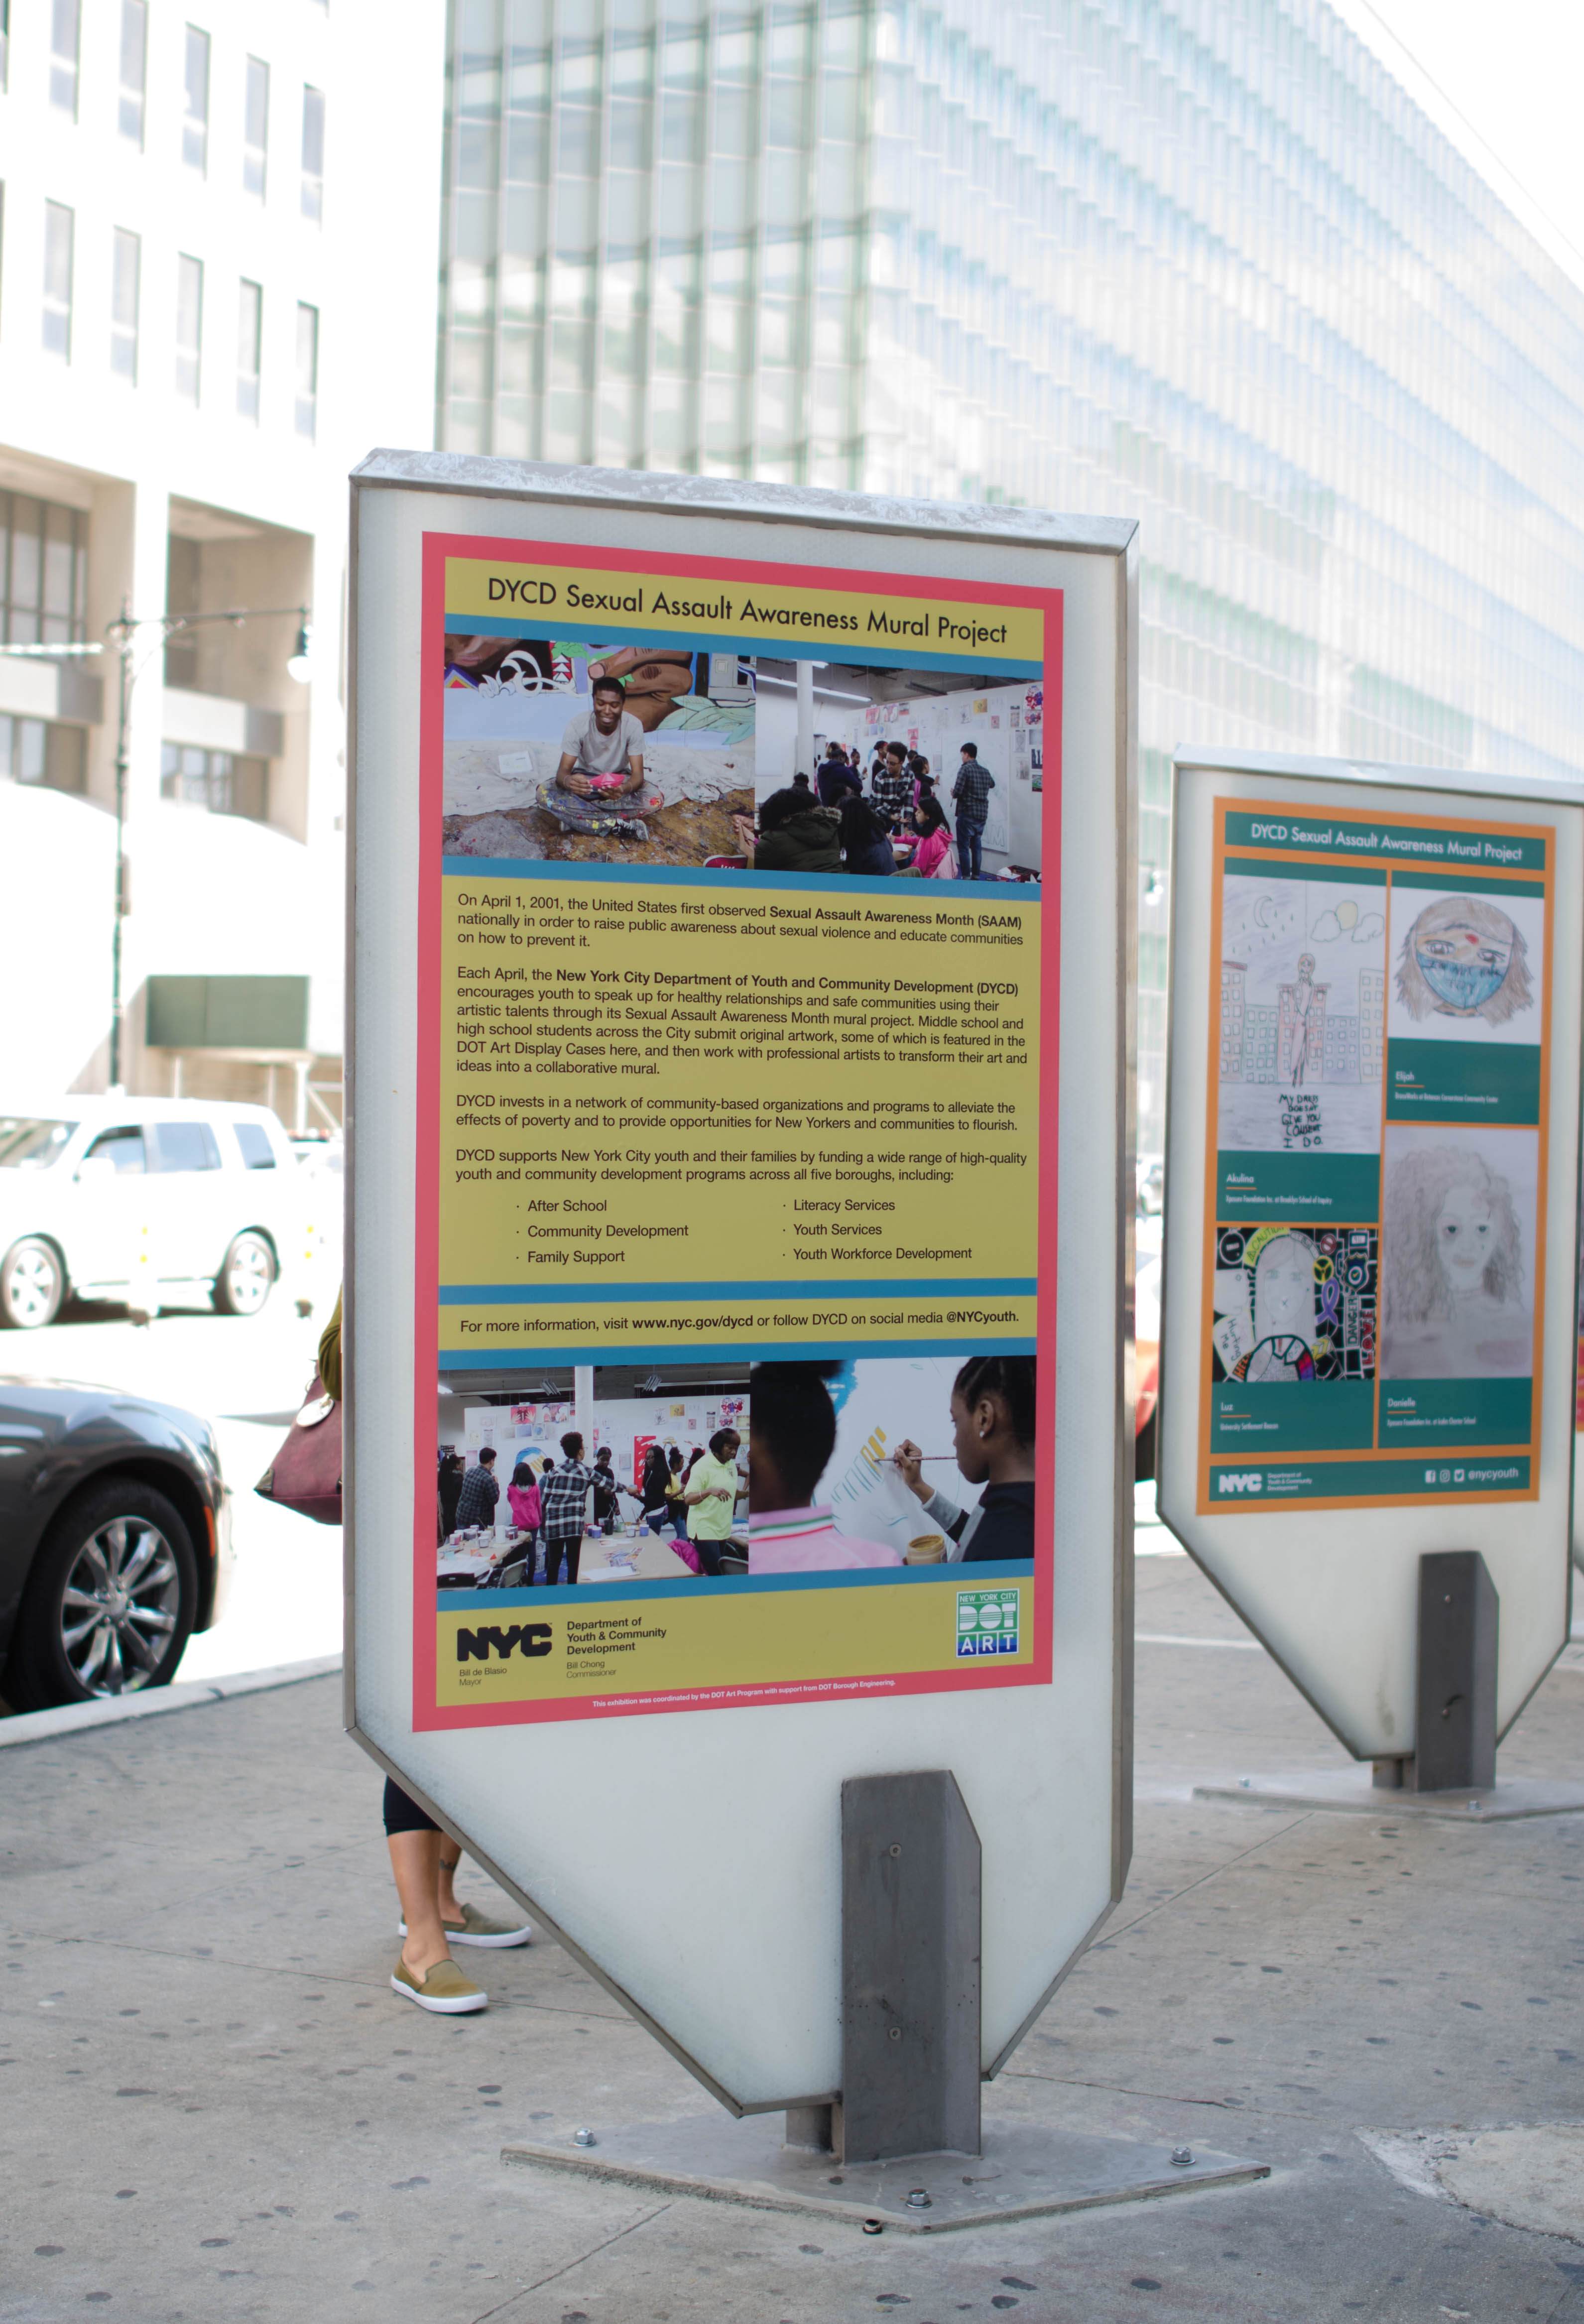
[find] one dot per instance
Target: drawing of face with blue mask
(1461, 969)
(1464, 957)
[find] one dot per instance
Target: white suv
(144, 1198)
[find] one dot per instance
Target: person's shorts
(402, 1813)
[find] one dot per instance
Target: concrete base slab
(1352, 1791)
(1025, 2172)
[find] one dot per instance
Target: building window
(189, 324)
(37, 751)
(183, 588)
(250, 340)
(255, 128)
(44, 571)
(220, 780)
(135, 67)
(126, 265)
(58, 238)
(195, 119)
(313, 153)
(64, 41)
(308, 370)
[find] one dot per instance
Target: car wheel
(33, 1285)
(247, 1277)
(110, 1602)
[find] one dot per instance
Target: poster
(724, 1074)
(1374, 1238)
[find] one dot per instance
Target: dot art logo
(986, 1622)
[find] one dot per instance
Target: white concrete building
(218, 248)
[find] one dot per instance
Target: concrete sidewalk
(213, 2108)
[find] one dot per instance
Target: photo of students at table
(903, 772)
(644, 1487)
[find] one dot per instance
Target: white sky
(1515, 74)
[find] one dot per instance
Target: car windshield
(29, 1143)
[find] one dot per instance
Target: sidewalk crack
(556, 2272)
(1109, 1936)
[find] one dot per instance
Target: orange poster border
(1345, 859)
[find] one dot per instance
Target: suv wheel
(247, 1277)
(33, 1285)
(110, 1602)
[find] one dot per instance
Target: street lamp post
(118, 908)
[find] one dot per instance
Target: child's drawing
(1294, 1304)
(1460, 1214)
(1464, 958)
(1303, 1011)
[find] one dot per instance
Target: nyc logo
(1239, 1480)
(529, 1638)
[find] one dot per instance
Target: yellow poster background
(738, 1092)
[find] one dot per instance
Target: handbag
(304, 1474)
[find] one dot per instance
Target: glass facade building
(1201, 262)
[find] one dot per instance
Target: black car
(115, 1540)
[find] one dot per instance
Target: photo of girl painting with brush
(836, 1479)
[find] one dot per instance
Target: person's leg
(709, 1554)
(976, 845)
(465, 1924)
(574, 1551)
(424, 1860)
(450, 1856)
(964, 836)
(414, 1842)
(415, 1861)
(554, 1546)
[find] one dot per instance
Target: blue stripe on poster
(672, 875)
(543, 621)
(840, 1287)
(504, 1357)
(867, 1577)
